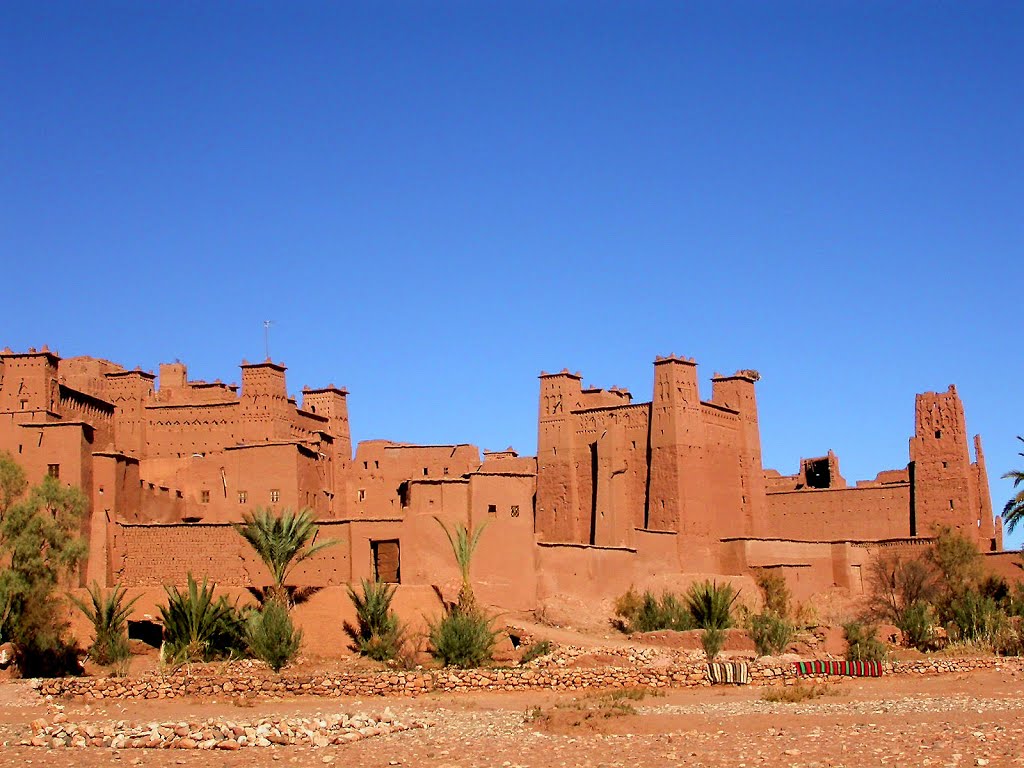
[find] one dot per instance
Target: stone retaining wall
(414, 683)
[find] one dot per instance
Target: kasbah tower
(621, 493)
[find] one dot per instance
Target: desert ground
(953, 720)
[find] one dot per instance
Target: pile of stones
(318, 731)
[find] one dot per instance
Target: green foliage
(281, 541)
(975, 618)
(712, 639)
(40, 546)
(377, 633)
(464, 544)
(862, 643)
(775, 592)
(463, 639)
(1013, 512)
(271, 636)
(917, 623)
(771, 633)
(109, 616)
(710, 604)
(647, 613)
(535, 651)
(1015, 601)
(959, 565)
(666, 613)
(199, 628)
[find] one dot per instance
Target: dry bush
(794, 694)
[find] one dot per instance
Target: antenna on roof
(266, 337)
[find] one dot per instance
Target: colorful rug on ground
(851, 668)
(734, 672)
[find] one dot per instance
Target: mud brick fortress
(620, 493)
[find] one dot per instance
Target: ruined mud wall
(881, 512)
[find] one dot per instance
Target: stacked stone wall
(419, 682)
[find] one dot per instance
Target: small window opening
(424, 471)
(53, 470)
(515, 510)
(204, 497)
(275, 495)
(945, 464)
(366, 465)
(361, 494)
(492, 509)
(376, 464)
(951, 504)
(446, 470)
(938, 433)
(243, 497)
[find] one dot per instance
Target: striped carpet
(850, 668)
(732, 672)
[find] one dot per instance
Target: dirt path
(961, 720)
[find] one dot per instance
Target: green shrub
(647, 613)
(771, 633)
(710, 604)
(666, 613)
(377, 634)
(535, 651)
(862, 643)
(775, 592)
(41, 546)
(1015, 602)
(975, 617)
(271, 636)
(463, 639)
(199, 628)
(109, 615)
(712, 639)
(918, 626)
(959, 563)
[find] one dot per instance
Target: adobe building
(620, 493)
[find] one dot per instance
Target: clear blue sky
(435, 201)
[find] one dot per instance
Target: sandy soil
(961, 720)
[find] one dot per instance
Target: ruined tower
(946, 491)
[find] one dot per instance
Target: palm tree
(464, 544)
(109, 616)
(1013, 512)
(281, 542)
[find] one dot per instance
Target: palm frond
(283, 540)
